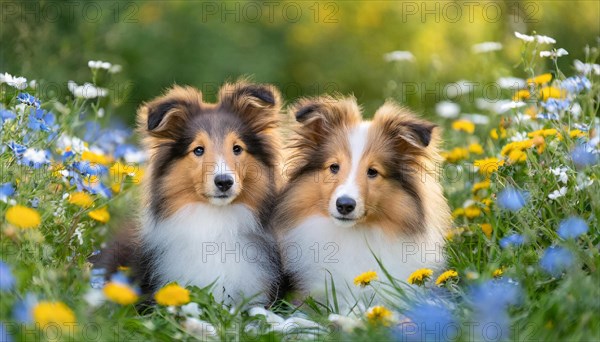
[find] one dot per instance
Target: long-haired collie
(357, 189)
(211, 179)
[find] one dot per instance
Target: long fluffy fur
(190, 231)
(405, 214)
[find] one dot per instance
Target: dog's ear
(404, 127)
(166, 116)
(258, 105)
(318, 117)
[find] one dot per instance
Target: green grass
(49, 261)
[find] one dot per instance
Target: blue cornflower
(7, 281)
(6, 115)
(35, 158)
(67, 155)
(428, 321)
(583, 155)
(85, 168)
(120, 277)
(23, 308)
(41, 120)
(512, 199)
(512, 240)
(4, 335)
(555, 106)
(6, 190)
(28, 99)
(547, 116)
(490, 301)
(98, 276)
(17, 149)
(576, 84)
(572, 227)
(556, 260)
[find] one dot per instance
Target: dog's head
(357, 171)
(215, 153)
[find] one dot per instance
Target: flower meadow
(523, 256)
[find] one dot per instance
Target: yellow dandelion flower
(476, 148)
(552, 92)
(419, 276)
(481, 185)
(137, 176)
(498, 133)
(540, 143)
(46, 312)
(456, 154)
(120, 293)
(521, 95)
(365, 278)
(458, 212)
(486, 228)
(463, 125)
(488, 166)
(540, 79)
(95, 158)
(116, 188)
(472, 211)
(81, 199)
(517, 156)
(172, 295)
(531, 111)
(487, 202)
(516, 146)
(23, 217)
(543, 133)
(497, 273)
(446, 276)
(575, 133)
(379, 314)
(454, 232)
(101, 215)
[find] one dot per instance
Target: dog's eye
(237, 149)
(334, 168)
(199, 151)
(372, 173)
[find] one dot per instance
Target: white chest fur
(203, 243)
(318, 250)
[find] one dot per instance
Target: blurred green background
(305, 47)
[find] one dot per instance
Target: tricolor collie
(359, 188)
(210, 182)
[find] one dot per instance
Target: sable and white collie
(357, 188)
(211, 179)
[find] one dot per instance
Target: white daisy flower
(447, 109)
(558, 193)
(524, 37)
(477, 119)
(554, 53)
(561, 173)
(395, 56)
(486, 47)
(586, 68)
(459, 88)
(583, 182)
(510, 105)
(544, 39)
(87, 90)
(15, 82)
(511, 83)
(519, 136)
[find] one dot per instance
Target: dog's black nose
(223, 182)
(345, 205)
